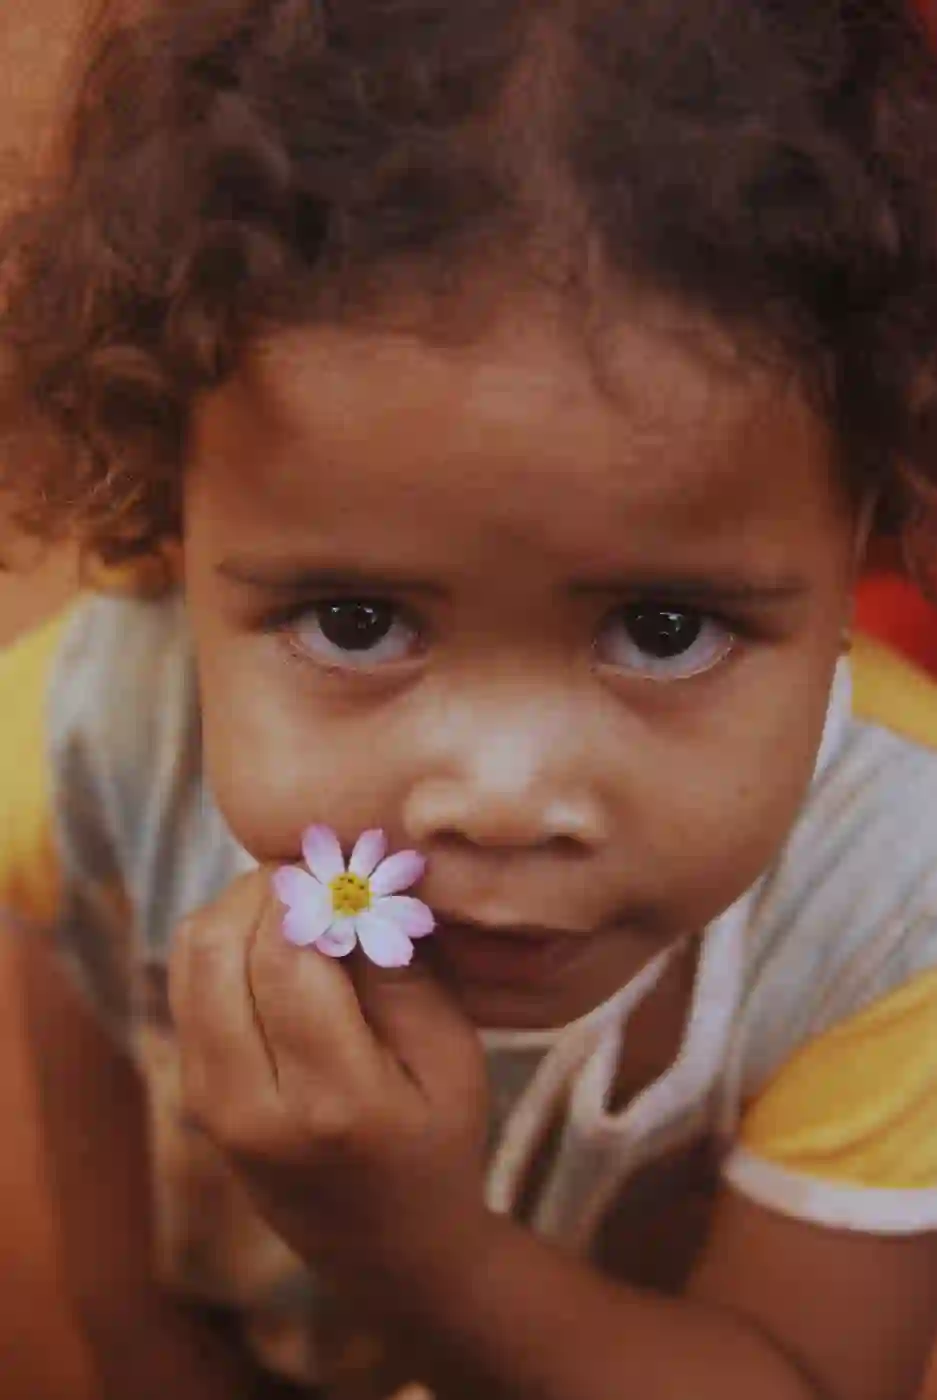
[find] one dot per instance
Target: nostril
(450, 841)
(461, 842)
(569, 847)
(458, 842)
(457, 815)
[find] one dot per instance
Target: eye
(663, 643)
(354, 633)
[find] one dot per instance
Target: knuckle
(241, 1132)
(253, 1134)
(335, 1125)
(240, 1136)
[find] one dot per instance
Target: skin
(506, 503)
(354, 1109)
(508, 499)
(132, 1337)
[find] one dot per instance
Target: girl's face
(573, 640)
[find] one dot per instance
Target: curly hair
(230, 167)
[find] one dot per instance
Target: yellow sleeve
(29, 872)
(846, 1133)
(892, 692)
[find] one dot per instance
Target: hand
(351, 1100)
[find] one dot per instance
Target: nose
(509, 786)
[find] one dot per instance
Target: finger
(419, 1021)
(309, 1014)
(225, 1065)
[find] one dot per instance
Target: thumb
(422, 1025)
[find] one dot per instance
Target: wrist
(427, 1276)
(447, 1317)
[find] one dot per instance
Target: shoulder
(861, 856)
(845, 1133)
(848, 914)
(859, 869)
(121, 705)
(124, 669)
(122, 695)
(833, 1068)
(126, 752)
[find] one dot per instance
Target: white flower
(333, 907)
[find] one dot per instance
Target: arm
(94, 1136)
(350, 1103)
(778, 1310)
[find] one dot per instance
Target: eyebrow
(291, 579)
(712, 589)
(287, 578)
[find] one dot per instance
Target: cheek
(278, 763)
(725, 811)
(720, 854)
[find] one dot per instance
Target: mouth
(506, 956)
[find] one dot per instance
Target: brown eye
(354, 633)
(662, 642)
(662, 632)
(354, 626)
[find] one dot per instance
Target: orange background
(39, 1355)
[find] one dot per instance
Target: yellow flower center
(350, 894)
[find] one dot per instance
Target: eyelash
(344, 664)
(660, 670)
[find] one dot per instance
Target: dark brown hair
(231, 166)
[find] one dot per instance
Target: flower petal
(384, 941)
(339, 940)
(309, 905)
(397, 872)
(295, 888)
(322, 853)
(369, 852)
(305, 924)
(412, 916)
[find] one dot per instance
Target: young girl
(511, 390)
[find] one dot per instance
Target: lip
(506, 957)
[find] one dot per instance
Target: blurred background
(35, 38)
(40, 1356)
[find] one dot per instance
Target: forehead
(520, 435)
